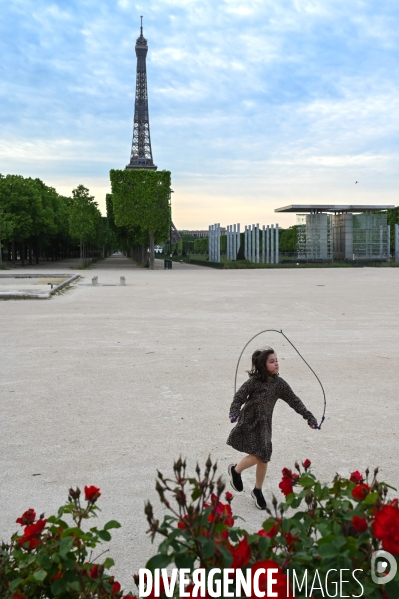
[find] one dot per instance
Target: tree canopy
(33, 213)
(141, 204)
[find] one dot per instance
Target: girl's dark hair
(259, 358)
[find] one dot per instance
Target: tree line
(36, 222)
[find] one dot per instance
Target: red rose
(272, 532)
(280, 584)
(116, 587)
(94, 572)
(223, 514)
(241, 553)
(31, 532)
(360, 492)
(18, 595)
(27, 517)
(286, 486)
(286, 472)
(386, 527)
(261, 532)
(359, 524)
(183, 525)
(295, 476)
(356, 477)
(306, 464)
(92, 493)
(228, 496)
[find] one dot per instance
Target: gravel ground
(105, 385)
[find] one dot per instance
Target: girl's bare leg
(247, 462)
(261, 469)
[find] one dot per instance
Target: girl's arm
(239, 398)
(287, 395)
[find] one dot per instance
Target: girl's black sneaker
(235, 478)
(260, 501)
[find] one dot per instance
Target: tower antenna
(141, 26)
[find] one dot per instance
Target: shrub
(51, 558)
(335, 528)
(310, 538)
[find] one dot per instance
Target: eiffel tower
(141, 154)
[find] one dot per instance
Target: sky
(254, 104)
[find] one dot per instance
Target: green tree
(288, 239)
(84, 219)
(141, 199)
(20, 199)
(6, 228)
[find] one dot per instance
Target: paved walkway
(103, 385)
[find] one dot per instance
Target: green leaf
(208, 550)
(226, 555)
(184, 560)
(158, 561)
(108, 563)
(66, 545)
(112, 524)
(196, 493)
(104, 535)
(328, 550)
(75, 531)
(370, 499)
(392, 589)
(14, 584)
(306, 481)
(58, 586)
(40, 575)
(339, 542)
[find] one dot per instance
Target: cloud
(279, 100)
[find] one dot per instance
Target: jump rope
(299, 354)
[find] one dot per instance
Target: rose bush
(51, 558)
(318, 528)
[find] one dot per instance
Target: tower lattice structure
(141, 154)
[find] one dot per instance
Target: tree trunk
(152, 252)
(81, 253)
(13, 252)
(30, 251)
(22, 253)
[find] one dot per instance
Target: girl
(253, 431)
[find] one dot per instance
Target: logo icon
(383, 567)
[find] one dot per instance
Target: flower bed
(324, 544)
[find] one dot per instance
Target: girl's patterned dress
(253, 431)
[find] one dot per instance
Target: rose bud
(92, 493)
